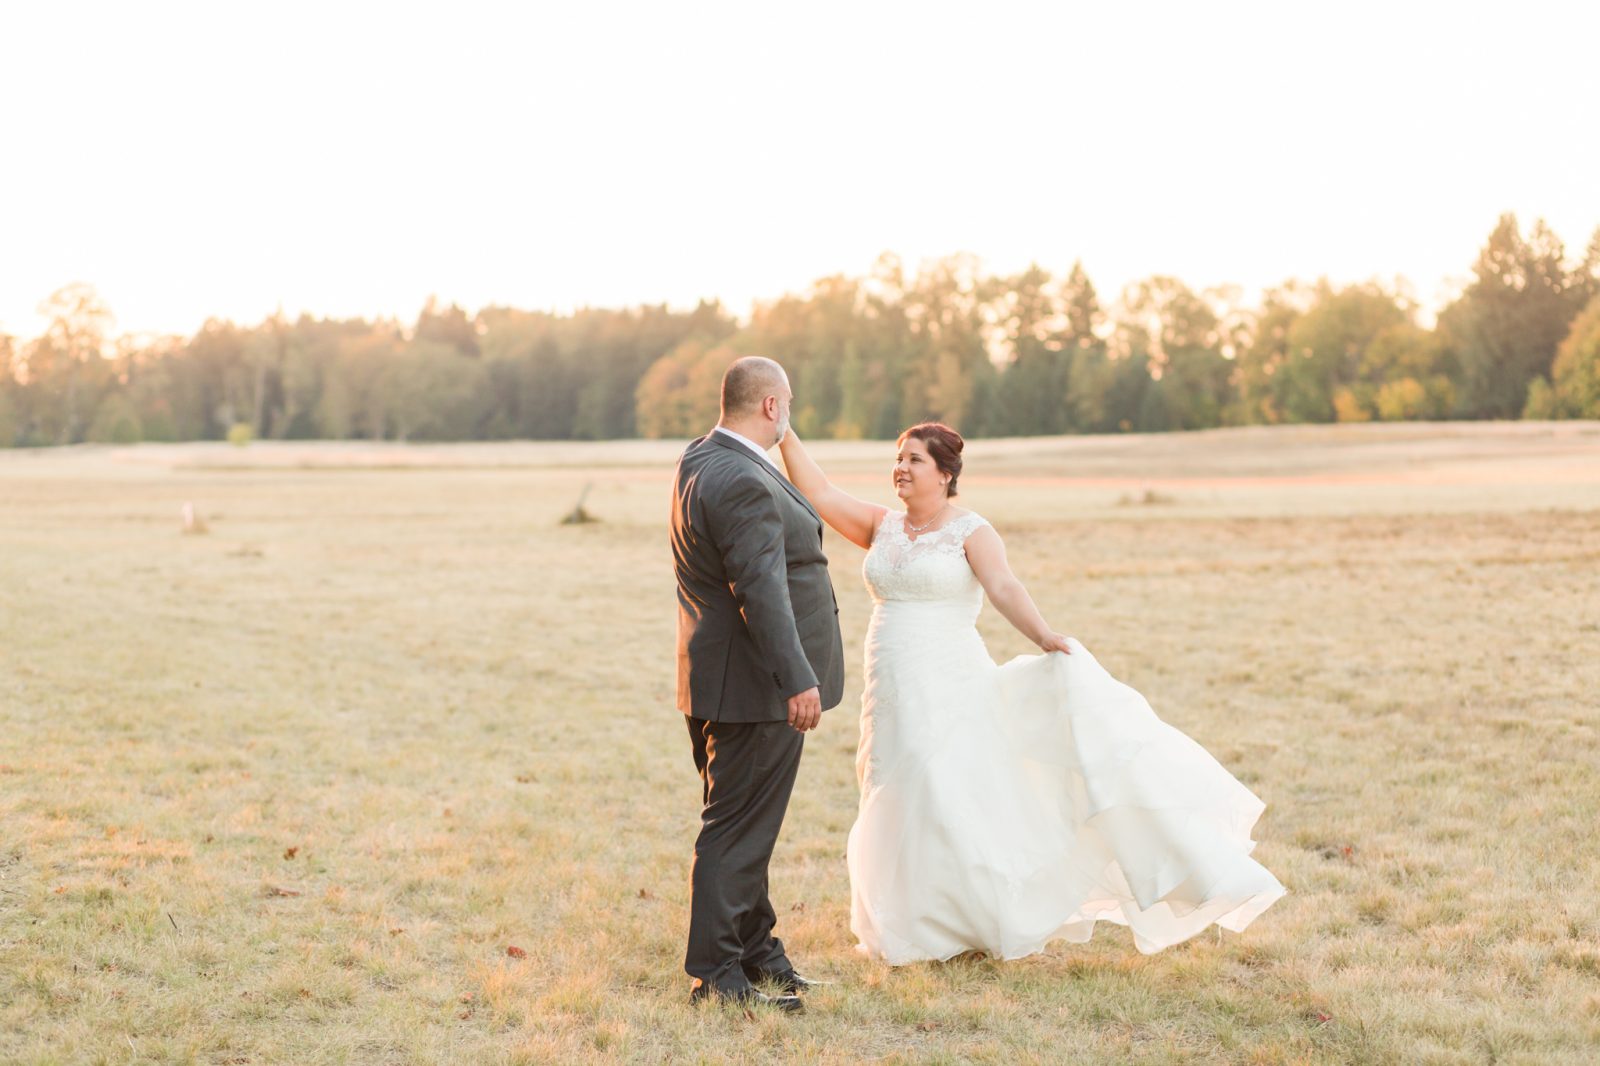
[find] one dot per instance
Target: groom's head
(755, 400)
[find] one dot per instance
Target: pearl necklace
(929, 522)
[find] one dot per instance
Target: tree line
(1019, 355)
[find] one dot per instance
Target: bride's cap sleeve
(971, 522)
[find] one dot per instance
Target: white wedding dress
(1003, 807)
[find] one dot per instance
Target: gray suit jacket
(757, 618)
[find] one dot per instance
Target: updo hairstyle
(944, 448)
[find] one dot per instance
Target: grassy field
(384, 768)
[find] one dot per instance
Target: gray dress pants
(747, 772)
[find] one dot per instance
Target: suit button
(776, 680)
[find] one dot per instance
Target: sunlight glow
(193, 160)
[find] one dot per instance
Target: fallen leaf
(290, 853)
(799, 908)
(276, 890)
(524, 779)
(396, 931)
(516, 952)
(645, 895)
(1323, 1019)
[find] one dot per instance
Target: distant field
(289, 791)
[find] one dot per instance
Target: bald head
(755, 400)
(748, 382)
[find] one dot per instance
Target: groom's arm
(749, 536)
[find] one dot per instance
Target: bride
(1003, 807)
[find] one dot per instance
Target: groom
(759, 659)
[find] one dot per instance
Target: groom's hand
(805, 709)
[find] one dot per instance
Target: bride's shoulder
(888, 518)
(967, 521)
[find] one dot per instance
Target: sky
(345, 158)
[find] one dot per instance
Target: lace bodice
(931, 568)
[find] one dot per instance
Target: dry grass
(287, 792)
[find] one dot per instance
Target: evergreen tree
(1504, 329)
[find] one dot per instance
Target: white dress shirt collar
(748, 443)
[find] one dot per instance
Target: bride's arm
(854, 520)
(987, 554)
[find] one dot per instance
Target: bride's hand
(1056, 642)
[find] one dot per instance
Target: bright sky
(349, 158)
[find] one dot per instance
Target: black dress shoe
(789, 982)
(745, 997)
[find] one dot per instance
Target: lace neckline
(901, 523)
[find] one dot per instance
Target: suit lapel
(734, 446)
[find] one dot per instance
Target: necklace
(929, 522)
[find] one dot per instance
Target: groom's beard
(783, 429)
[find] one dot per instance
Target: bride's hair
(944, 447)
